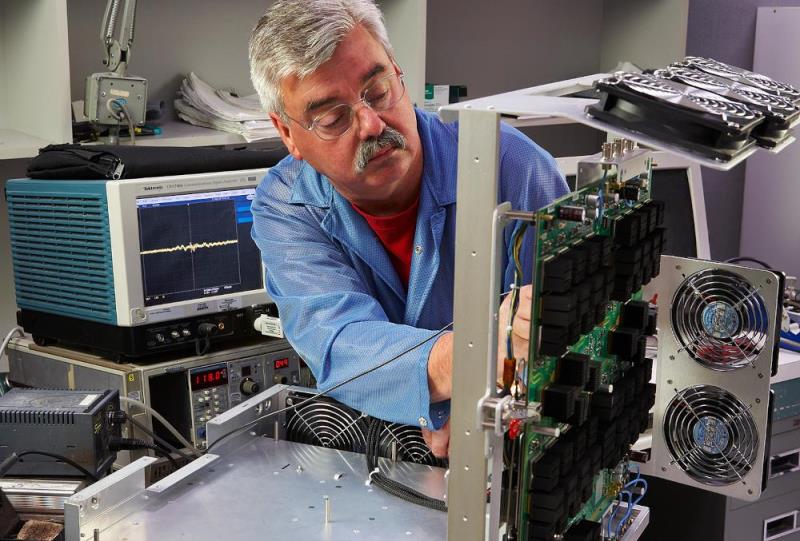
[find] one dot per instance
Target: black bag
(91, 162)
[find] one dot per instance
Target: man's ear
(286, 136)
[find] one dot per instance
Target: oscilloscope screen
(197, 245)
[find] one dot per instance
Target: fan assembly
(324, 422)
(717, 348)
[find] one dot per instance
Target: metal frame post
(475, 329)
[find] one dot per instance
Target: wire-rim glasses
(381, 95)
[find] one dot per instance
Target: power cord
(123, 112)
(119, 417)
(749, 260)
(6, 340)
(204, 331)
(129, 444)
(153, 413)
(392, 486)
(327, 391)
(12, 459)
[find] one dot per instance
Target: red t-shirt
(396, 233)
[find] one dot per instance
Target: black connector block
(560, 302)
(548, 500)
(573, 369)
(558, 401)
(634, 315)
(626, 230)
(579, 263)
(557, 275)
(624, 342)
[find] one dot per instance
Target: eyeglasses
(381, 95)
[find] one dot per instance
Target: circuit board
(594, 249)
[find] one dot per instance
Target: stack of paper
(201, 104)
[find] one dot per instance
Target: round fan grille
(711, 65)
(711, 435)
(647, 84)
(405, 443)
(771, 84)
(327, 424)
(722, 107)
(766, 99)
(696, 77)
(720, 319)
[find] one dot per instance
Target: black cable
(128, 444)
(750, 259)
(63, 459)
(206, 345)
(168, 447)
(392, 486)
(327, 391)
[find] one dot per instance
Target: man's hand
(438, 441)
(521, 331)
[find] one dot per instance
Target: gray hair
(295, 37)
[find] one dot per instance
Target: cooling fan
(720, 69)
(717, 348)
(692, 118)
(323, 422)
(711, 435)
(405, 443)
(780, 113)
(720, 319)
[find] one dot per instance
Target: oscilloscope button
(160, 338)
(175, 334)
(186, 332)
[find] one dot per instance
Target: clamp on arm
(118, 49)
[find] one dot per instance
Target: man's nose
(370, 124)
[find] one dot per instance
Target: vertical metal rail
(470, 444)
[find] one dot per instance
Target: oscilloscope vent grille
(60, 247)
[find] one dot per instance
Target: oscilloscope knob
(249, 386)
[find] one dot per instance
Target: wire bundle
(627, 490)
(390, 485)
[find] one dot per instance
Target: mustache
(367, 149)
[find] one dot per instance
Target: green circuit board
(555, 235)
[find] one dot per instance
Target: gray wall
(208, 37)
(495, 47)
(725, 30)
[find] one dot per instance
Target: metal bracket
(496, 413)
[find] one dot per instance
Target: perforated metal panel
(60, 247)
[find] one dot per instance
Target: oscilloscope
(136, 266)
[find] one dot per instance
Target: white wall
(770, 216)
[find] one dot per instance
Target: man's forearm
(440, 368)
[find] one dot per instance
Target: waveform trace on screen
(192, 247)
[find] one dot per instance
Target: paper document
(201, 104)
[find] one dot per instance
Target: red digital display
(209, 378)
(281, 363)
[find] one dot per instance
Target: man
(357, 227)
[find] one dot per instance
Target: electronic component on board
(572, 213)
